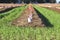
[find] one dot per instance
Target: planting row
(11, 15)
(52, 17)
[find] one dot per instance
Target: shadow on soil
(44, 19)
(7, 9)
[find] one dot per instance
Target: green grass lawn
(11, 32)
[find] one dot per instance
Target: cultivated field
(45, 24)
(54, 7)
(5, 6)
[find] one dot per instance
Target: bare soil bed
(54, 7)
(46, 5)
(22, 20)
(4, 6)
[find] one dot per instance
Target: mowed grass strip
(51, 33)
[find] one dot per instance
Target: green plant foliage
(11, 32)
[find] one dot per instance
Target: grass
(11, 32)
(6, 13)
(5, 22)
(54, 18)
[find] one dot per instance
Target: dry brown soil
(54, 7)
(4, 6)
(22, 20)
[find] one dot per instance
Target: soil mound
(22, 20)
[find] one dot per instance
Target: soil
(22, 20)
(54, 7)
(4, 6)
